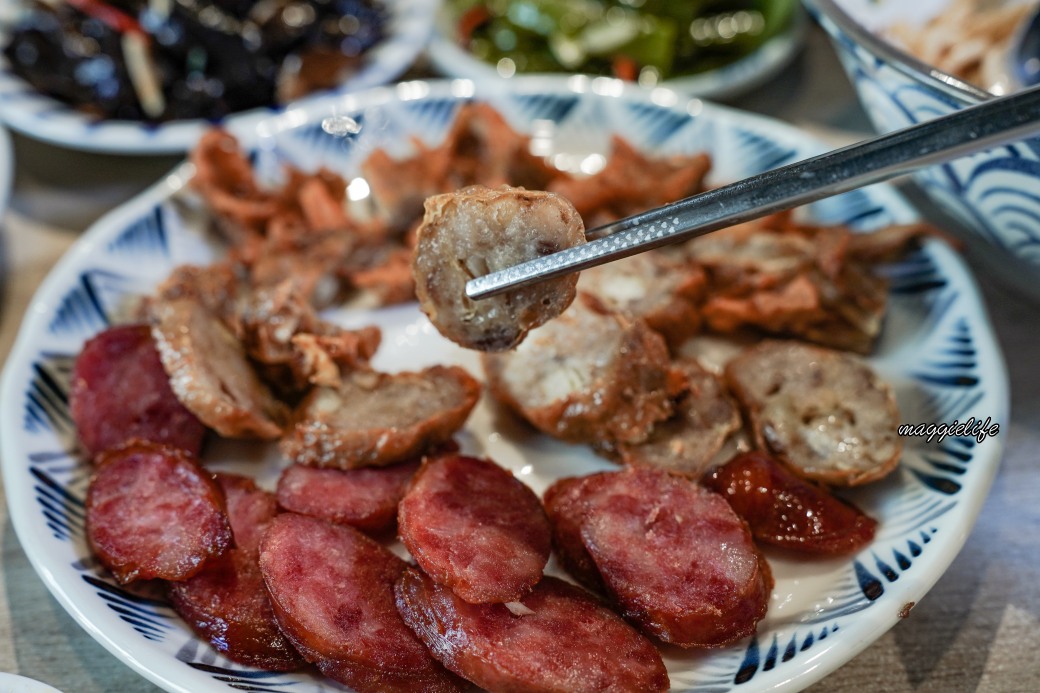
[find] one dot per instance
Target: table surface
(978, 629)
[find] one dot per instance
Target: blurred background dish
(993, 196)
(707, 48)
(136, 77)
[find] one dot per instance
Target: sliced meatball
(691, 440)
(476, 528)
(785, 510)
(121, 392)
(661, 290)
(333, 594)
(227, 604)
(825, 414)
(209, 371)
(588, 376)
(376, 419)
(675, 558)
(153, 512)
(476, 231)
(364, 498)
(559, 639)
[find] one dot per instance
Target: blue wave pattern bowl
(995, 195)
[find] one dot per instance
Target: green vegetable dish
(640, 40)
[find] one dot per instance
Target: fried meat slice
(476, 231)
(210, 373)
(652, 286)
(825, 414)
(702, 430)
(374, 419)
(588, 376)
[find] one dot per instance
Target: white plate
(452, 60)
(26, 110)
(937, 349)
(12, 683)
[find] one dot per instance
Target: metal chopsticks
(983, 126)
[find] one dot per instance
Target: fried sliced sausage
(476, 231)
(227, 603)
(376, 419)
(364, 498)
(784, 510)
(558, 640)
(209, 371)
(476, 528)
(120, 392)
(691, 440)
(333, 594)
(675, 558)
(587, 376)
(825, 414)
(153, 512)
(661, 290)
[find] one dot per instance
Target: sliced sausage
(376, 419)
(651, 286)
(333, 594)
(153, 512)
(826, 414)
(476, 231)
(691, 440)
(364, 498)
(558, 640)
(565, 505)
(784, 510)
(120, 392)
(227, 603)
(675, 558)
(588, 376)
(476, 528)
(209, 371)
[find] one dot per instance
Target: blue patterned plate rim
(34, 114)
(938, 350)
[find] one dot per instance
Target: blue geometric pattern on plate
(936, 349)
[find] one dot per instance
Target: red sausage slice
(565, 503)
(120, 392)
(227, 603)
(332, 591)
(676, 558)
(152, 512)
(784, 510)
(365, 498)
(558, 640)
(476, 528)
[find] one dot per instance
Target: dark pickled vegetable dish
(160, 60)
(644, 40)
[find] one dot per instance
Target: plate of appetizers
(299, 212)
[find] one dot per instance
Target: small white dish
(937, 349)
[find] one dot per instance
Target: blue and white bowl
(995, 195)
